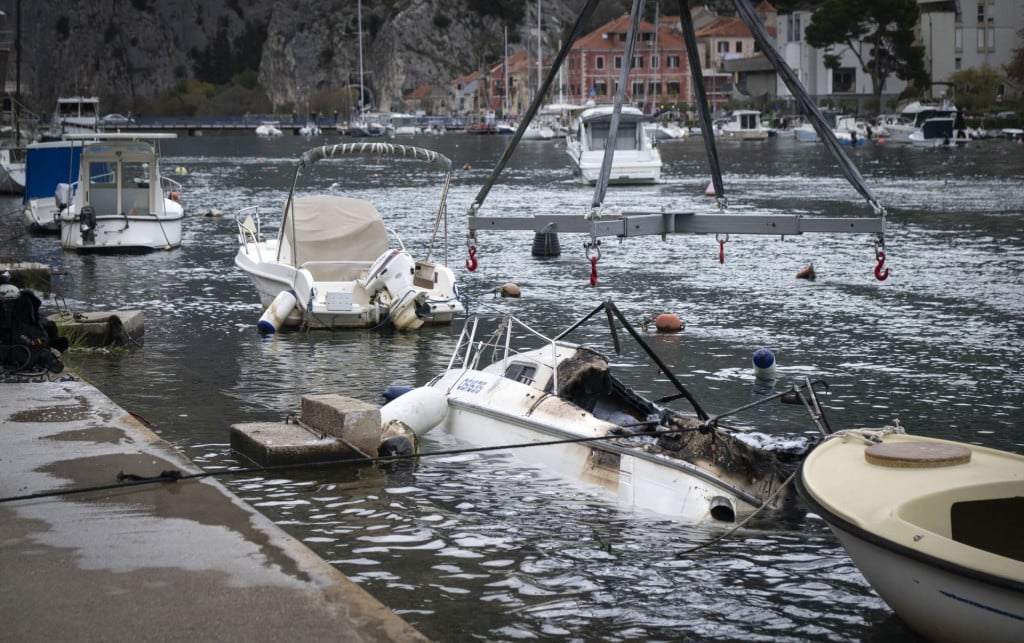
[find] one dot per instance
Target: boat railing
(398, 238)
(174, 185)
(249, 232)
(499, 343)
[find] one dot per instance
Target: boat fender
(395, 391)
(668, 323)
(62, 195)
(397, 439)
(277, 312)
(421, 409)
(764, 364)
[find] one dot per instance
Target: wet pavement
(173, 560)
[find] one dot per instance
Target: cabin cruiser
(636, 160)
(745, 125)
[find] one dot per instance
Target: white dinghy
(936, 527)
(562, 401)
(331, 265)
(121, 203)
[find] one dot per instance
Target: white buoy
(421, 409)
(764, 364)
(278, 311)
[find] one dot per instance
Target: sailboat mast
(359, 18)
(540, 51)
(505, 73)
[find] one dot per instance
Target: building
(970, 35)
(659, 73)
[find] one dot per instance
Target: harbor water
(482, 546)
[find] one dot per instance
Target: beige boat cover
(332, 228)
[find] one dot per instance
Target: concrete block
(28, 274)
(115, 327)
(279, 443)
(354, 421)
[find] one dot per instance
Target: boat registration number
(338, 301)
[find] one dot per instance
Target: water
(485, 547)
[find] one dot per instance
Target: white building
(960, 35)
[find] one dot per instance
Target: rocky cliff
(126, 51)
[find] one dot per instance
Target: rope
(718, 539)
(125, 480)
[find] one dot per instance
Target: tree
(880, 33)
(1015, 68)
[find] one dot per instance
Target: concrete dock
(181, 560)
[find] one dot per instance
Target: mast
(359, 17)
(540, 51)
(504, 73)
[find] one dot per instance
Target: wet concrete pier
(176, 560)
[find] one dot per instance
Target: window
(654, 89)
(981, 39)
(958, 38)
(638, 62)
(638, 88)
(739, 46)
(723, 46)
(981, 12)
(673, 88)
(654, 62)
(957, 63)
(599, 62)
(618, 62)
(672, 61)
(601, 87)
(991, 38)
(843, 79)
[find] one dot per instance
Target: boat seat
(338, 270)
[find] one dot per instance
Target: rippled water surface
(482, 546)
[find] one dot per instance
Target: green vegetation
(886, 26)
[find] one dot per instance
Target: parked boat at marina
(518, 387)
(936, 527)
(268, 128)
(636, 160)
(745, 125)
(50, 169)
(331, 265)
(119, 202)
(927, 125)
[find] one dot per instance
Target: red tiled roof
(420, 92)
(668, 38)
(729, 27)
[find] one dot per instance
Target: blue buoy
(395, 391)
(764, 364)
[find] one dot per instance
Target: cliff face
(124, 50)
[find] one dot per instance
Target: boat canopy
(327, 227)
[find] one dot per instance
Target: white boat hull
(936, 527)
(12, 173)
(141, 233)
(628, 167)
(939, 604)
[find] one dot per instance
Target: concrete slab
(107, 328)
(357, 422)
(280, 443)
(172, 560)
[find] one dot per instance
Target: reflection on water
(481, 546)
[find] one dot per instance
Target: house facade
(659, 73)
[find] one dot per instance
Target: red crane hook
(471, 263)
(593, 270)
(879, 275)
(721, 247)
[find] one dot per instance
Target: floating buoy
(180, 170)
(710, 189)
(466, 167)
(764, 364)
(174, 196)
(508, 290)
(807, 273)
(881, 141)
(277, 312)
(668, 323)
(212, 212)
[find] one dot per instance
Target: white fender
(421, 409)
(277, 312)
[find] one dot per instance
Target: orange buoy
(174, 196)
(807, 273)
(466, 166)
(668, 323)
(510, 290)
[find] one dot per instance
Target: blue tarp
(46, 166)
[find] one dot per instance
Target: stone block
(278, 443)
(354, 421)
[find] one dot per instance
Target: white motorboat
(851, 131)
(310, 129)
(665, 131)
(50, 169)
(119, 202)
(331, 265)
(927, 125)
(936, 527)
(12, 169)
(74, 115)
(268, 128)
(745, 125)
(538, 132)
(636, 160)
(516, 387)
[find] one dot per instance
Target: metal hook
(879, 275)
(721, 247)
(471, 263)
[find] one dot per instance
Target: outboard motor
(393, 271)
(87, 224)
